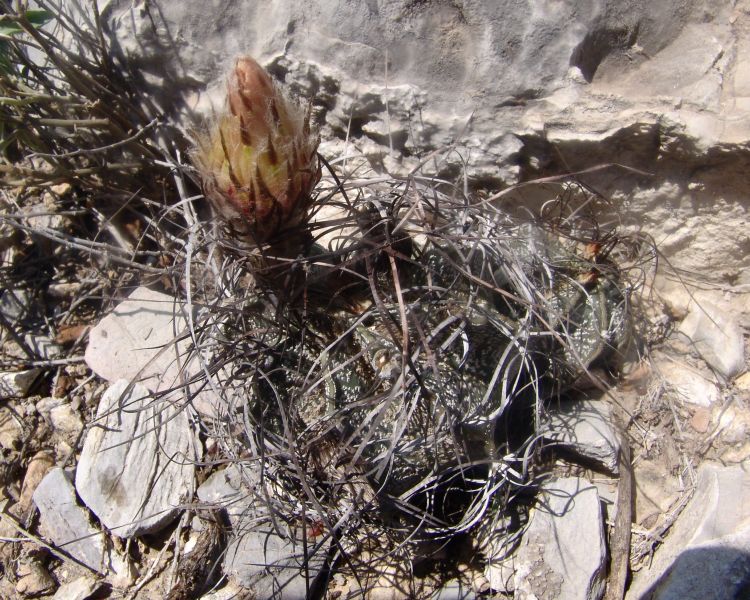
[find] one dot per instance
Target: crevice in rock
(599, 44)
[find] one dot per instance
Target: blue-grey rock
(67, 523)
(137, 465)
(563, 552)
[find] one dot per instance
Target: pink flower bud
(258, 161)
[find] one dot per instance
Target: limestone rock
(734, 424)
(10, 429)
(82, 588)
(534, 88)
(230, 489)
(273, 566)
(716, 337)
(563, 552)
(584, 428)
(257, 556)
(145, 339)
(230, 591)
(454, 589)
(43, 347)
(707, 553)
(61, 415)
(67, 524)
(14, 304)
(500, 575)
(39, 465)
(16, 384)
(66, 421)
(137, 463)
(34, 580)
(689, 384)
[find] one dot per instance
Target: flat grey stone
(584, 427)
(137, 463)
(707, 553)
(257, 556)
(273, 566)
(82, 588)
(563, 553)
(145, 339)
(231, 489)
(716, 336)
(67, 524)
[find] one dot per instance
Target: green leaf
(37, 18)
(9, 29)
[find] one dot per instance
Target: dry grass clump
(381, 381)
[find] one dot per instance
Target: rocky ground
(662, 447)
(644, 491)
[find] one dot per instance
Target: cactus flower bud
(258, 161)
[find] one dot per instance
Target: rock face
(707, 555)
(137, 463)
(563, 553)
(535, 88)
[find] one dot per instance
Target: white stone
(454, 589)
(734, 424)
(716, 336)
(500, 574)
(563, 553)
(61, 415)
(14, 304)
(707, 553)
(145, 338)
(66, 420)
(78, 589)
(43, 347)
(16, 384)
(67, 524)
(10, 429)
(584, 428)
(137, 463)
(230, 591)
(690, 385)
